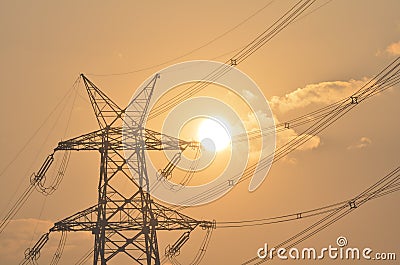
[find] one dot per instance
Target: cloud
(252, 123)
(287, 135)
(282, 138)
(361, 143)
(19, 235)
(394, 48)
(323, 93)
(320, 93)
(248, 95)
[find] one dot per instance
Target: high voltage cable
(371, 193)
(325, 222)
(282, 151)
(393, 187)
(306, 119)
(389, 76)
(375, 91)
(280, 24)
(312, 116)
(39, 183)
(210, 42)
(193, 50)
(73, 87)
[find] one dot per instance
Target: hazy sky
(323, 57)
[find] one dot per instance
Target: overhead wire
(390, 188)
(374, 192)
(290, 16)
(368, 94)
(34, 182)
(209, 42)
(200, 253)
(85, 257)
(22, 149)
(192, 169)
(38, 218)
(25, 145)
(193, 50)
(314, 115)
(388, 77)
(284, 21)
(60, 249)
(55, 260)
(295, 21)
(57, 179)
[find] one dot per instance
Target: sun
(213, 135)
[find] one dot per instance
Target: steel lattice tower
(125, 219)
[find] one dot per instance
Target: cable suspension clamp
(208, 224)
(231, 183)
(287, 125)
(354, 100)
(352, 204)
(233, 62)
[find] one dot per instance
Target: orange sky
(324, 56)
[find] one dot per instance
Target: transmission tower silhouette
(125, 219)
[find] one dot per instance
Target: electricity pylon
(125, 219)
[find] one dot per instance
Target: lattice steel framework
(125, 219)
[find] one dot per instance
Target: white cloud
(394, 48)
(19, 235)
(283, 137)
(361, 143)
(320, 93)
(323, 93)
(247, 94)
(290, 134)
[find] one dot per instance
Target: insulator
(41, 242)
(34, 252)
(167, 171)
(46, 165)
(179, 243)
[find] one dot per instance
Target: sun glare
(213, 135)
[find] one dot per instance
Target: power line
(386, 78)
(193, 50)
(19, 152)
(284, 21)
(370, 193)
(375, 191)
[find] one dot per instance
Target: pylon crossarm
(89, 141)
(169, 219)
(208, 224)
(126, 219)
(159, 141)
(94, 141)
(82, 221)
